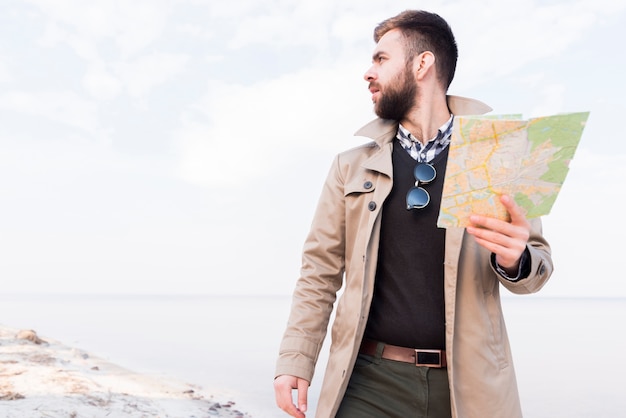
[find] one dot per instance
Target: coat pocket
(498, 328)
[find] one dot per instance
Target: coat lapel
(381, 160)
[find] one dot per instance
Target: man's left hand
(507, 240)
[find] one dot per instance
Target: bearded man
(418, 330)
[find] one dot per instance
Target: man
(419, 330)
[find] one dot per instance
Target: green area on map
(495, 155)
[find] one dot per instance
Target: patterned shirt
(425, 153)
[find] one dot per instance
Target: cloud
(196, 30)
(62, 106)
(583, 228)
(87, 27)
(101, 84)
(353, 29)
(147, 71)
(302, 23)
(550, 100)
(76, 209)
(256, 136)
(5, 73)
(236, 132)
(502, 38)
(131, 25)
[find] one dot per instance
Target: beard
(398, 98)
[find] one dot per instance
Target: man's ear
(424, 64)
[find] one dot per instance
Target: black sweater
(408, 303)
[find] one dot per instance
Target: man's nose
(369, 75)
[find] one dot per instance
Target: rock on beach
(41, 377)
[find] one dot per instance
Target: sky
(177, 147)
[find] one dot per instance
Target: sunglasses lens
(424, 172)
(417, 198)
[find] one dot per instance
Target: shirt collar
(442, 138)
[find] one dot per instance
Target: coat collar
(383, 131)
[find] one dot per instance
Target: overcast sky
(154, 146)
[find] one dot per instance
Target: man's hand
(507, 240)
(283, 385)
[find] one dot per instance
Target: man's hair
(424, 31)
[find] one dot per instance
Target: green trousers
(381, 388)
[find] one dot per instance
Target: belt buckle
(427, 356)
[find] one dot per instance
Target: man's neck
(426, 118)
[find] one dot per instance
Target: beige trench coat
(344, 239)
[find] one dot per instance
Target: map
(495, 155)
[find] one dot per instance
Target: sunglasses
(417, 197)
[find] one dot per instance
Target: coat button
(371, 206)
(367, 185)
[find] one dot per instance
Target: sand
(40, 377)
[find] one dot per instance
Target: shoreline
(44, 376)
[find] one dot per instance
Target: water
(568, 352)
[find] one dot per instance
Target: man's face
(391, 80)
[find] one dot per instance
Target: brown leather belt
(419, 357)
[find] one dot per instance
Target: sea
(569, 353)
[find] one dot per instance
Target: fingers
(507, 256)
(517, 224)
(303, 390)
(507, 240)
(498, 232)
(283, 386)
(515, 211)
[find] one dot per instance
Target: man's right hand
(283, 385)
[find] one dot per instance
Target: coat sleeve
(540, 260)
(321, 277)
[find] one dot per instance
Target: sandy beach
(41, 377)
